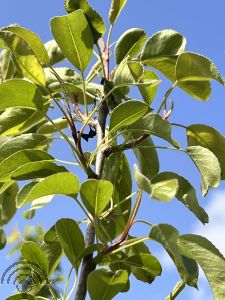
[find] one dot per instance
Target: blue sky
(202, 23)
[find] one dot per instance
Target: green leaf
(21, 158)
(195, 67)
(115, 10)
(14, 121)
(32, 40)
(147, 157)
(8, 69)
(48, 127)
(164, 43)
(153, 124)
(148, 92)
(164, 190)
(22, 142)
(95, 21)
(209, 258)
(54, 52)
(32, 253)
(20, 93)
(37, 169)
(74, 37)
(8, 203)
(129, 44)
(58, 184)
(53, 253)
(3, 239)
(109, 283)
(117, 171)
(21, 296)
(161, 52)
(142, 181)
(71, 239)
(210, 138)
(96, 195)
(51, 235)
(208, 165)
(137, 248)
(185, 193)
(144, 266)
(24, 58)
(127, 113)
(167, 236)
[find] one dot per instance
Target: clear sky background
(202, 23)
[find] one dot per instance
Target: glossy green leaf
(74, 37)
(142, 181)
(185, 193)
(115, 9)
(153, 124)
(51, 235)
(147, 157)
(209, 258)
(54, 52)
(129, 44)
(32, 253)
(71, 239)
(53, 253)
(21, 158)
(117, 171)
(109, 283)
(167, 236)
(96, 195)
(95, 21)
(8, 203)
(57, 184)
(137, 248)
(48, 127)
(24, 58)
(3, 239)
(37, 169)
(127, 113)
(20, 93)
(14, 121)
(210, 138)
(148, 92)
(144, 262)
(32, 40)
(8, 69)
(37, 204)
(164, 190)
(22, 142)
(163, 44)
(195, 67)
(161, 52)
(208, 165)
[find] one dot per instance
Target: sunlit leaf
(210, 138)
(109, 283)
(208, 165)
(115, 9)
(96, 194)
(167, 236)
(57, 184)
(71, 239)
(209, 258)
(74, 37)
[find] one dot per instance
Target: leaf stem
(84, 93)
(176, 291)
(166, 96)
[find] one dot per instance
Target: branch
(87, 264)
